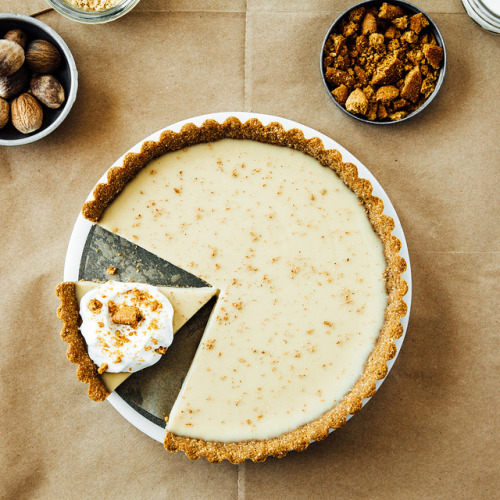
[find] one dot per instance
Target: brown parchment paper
(430, 430)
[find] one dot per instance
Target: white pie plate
(83, 226)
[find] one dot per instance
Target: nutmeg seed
(4, 112)
(18, 36)
(11, 57)
(27, 114)
(13, 85)
(48, 90)
(42, 57)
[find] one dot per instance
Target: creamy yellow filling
(300, 270)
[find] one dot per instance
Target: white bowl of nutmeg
(38, 80)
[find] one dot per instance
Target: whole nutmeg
(42, 57)
(27, 114)
(13, 85)
(4, 112)
(48, 90)
(11, 57)
(18, 36)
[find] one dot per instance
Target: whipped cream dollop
(127, 326)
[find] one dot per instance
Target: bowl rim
(481, 18)
(71, 94)
(89, 16)
(439, 39)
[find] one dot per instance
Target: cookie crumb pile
(382, 63)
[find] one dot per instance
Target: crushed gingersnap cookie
(94, 306)
(357, 102)
(382, 62)
(127, 315)
(102, 368)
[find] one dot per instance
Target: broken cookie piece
(409, 36)
(381, 112)
(339, 77)
(372, 111)
(386, 94)
(399, 104)
(127, 315)
(351, 29)
(387, 72)
(94, 305)
(390, 11)
(391, 33)
(401, 22)
(412, 85)
(376, 41)
(434, 54)
(102, 368)
(398, 115)
(357, 102)
(428, 87)
(338, 43)
(357, 14)
(360, 75)
(369, 24)
(341, 93)
(418, 22)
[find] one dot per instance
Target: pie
(309, 273)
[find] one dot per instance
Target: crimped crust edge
(69, 313)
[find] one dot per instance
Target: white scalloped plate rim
(83, 226)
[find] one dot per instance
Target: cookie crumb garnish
(102, 368)
(127, 315)
(95, 305)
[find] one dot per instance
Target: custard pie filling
(300, 269)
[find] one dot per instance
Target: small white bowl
(66, 74)
(90, 16)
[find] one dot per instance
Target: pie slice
(186, 302)
(309, 272)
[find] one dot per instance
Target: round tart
(309, 273)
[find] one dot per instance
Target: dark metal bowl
(411, 9)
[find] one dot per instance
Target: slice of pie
(186, 302)
(311, 293)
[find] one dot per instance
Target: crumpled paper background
(429, 431)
